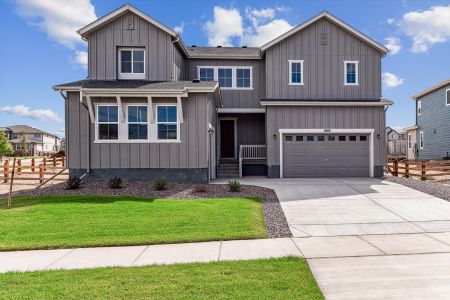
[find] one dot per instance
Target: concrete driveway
(368, 239)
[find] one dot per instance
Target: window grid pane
(167, 123)
(206, 74)
(243, 78)
(296, 75)
(351, 73)
(225, 78)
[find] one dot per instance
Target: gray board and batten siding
(434, 122)
(163, 60)
(189, 156)
(323, 117)
(323, 68)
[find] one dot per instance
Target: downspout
(88, 134)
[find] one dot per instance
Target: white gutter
(325, 103)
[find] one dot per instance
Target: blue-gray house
(433, 121)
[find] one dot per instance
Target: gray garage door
(325, 155)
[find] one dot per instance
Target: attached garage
(326, 154)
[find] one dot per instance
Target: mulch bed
(275, 220)
(433, 188)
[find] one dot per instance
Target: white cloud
(390, 80)
(390, 21)
(393, 44)
(226, 25)
(179, 29)
(427, 28)
(81, 58)
(35, 114)
(263, 34)
(229, 24)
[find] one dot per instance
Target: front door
(227, 139)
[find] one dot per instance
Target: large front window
(132, 63)
(137, 123)
(167, 122)
(108, 122)
(351, 72)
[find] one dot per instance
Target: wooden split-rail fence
(37, 169)
(424, 170)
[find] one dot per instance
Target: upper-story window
(131, 63)
(137, 122)
(447, 97)
(296, 72)
(351, 72)
(419, 107)
(107, 122)
(238, 78)
(206, 74)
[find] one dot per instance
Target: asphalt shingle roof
(136, 84)
(224, 52)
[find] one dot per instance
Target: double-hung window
(107, 122)
(421, 143)
(206, 74)
(137, 122)
(167, 122)
(131, 63)
(243, 78)
(419, 107)
(225, 76)
(296, 72)
(351, 72)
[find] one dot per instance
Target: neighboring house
(38, 142)
(306, 104)
(433, 122)
(411, 144)
(8, 132)
(396, 142)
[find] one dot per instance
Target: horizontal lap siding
(190, 153)
(159, 50)
(236, 98)
(323, 68)
(434, 121)
(295, 117)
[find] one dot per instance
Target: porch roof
(207, 86)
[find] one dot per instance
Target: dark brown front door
(227, 138)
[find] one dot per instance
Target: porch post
(150, 110)
(180, 110)
(119, 104)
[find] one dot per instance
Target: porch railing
(248, 152)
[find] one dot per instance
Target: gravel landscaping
(275, 220)
(438, 189)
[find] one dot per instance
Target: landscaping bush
(234, 185)
(160, 184)
(115, 183)
(200, 188)
(73, 183)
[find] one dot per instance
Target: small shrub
(160, 184)
(234, 185)
(115, 183)
(200, 188)
(73, 183)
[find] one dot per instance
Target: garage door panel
(302, 158)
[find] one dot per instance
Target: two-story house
(27, 140)
(432, 128)
(308, 103)
(396, 142)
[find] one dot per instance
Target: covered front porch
(241, 143)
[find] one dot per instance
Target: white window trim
(356, 62)
(409, 141)
(447, 99)
(419, 107)
(97, 138)
(177, 140)
(140, 123)
(233, 76)
(130, 75)
(421, 140)
(301, 72)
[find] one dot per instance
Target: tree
(5, 147)
(25, 146)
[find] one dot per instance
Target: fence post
(423, 174)
(395, 168)
(45, 163)
(32, 164)
(41, 173)
(11, 183)
(406, 169)
(62, 161)
(6, 171)
(54, 160)
(19, 169)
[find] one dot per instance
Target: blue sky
(39, 47)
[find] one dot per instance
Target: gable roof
(28, 129)
(335, 20)
(119, 12)
(432, 89)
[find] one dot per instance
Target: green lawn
(86, 221)
(285, 278)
